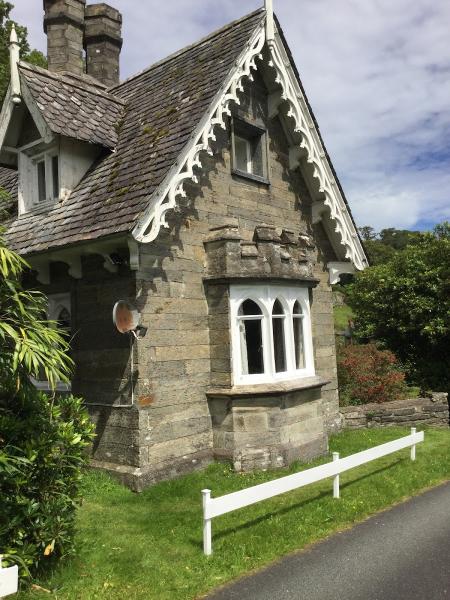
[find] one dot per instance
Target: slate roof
(74, 106)
(8, 183)
(163, 105)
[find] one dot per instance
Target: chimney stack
(64, 26)
(103, 42)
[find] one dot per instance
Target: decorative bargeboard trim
(316, 156)
(165, 198)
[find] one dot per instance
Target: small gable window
(249, 150)
(47, 173)
(271, 333)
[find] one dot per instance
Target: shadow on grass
(287, 509)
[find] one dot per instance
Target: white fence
(9, 579)
(214, 507)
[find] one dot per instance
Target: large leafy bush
(42, 438)
(367, 374)
(42, 455)
(405, 304)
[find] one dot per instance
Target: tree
(405, 303)
(32, 56)
(30, 346)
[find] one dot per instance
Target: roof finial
(14, 57)
(270, 24)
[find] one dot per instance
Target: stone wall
(417, 411)
(187, 346)
(152, 406)
(261, 432)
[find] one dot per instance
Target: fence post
(207, 541)
(413, 448)
(336, 478)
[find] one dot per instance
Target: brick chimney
(64, 26)
(103, 42)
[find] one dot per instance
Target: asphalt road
(400, 554)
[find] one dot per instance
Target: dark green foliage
(42, 440)
(30, 346)
(381, 247)
(34, 56)
(42, 455)
(405, 304)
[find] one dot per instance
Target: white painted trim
(165, 197)
(43, 128)
(215, 507)
(6, 115)
(336, 269)
(14, 57)
(316, 156)
(270, 23)
(265, 295)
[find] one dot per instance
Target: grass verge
(148, 546)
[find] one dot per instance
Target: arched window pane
(297, 308)
(278, 309)
(299, 342)
(252, 357)
(279, 347)
(249, 308)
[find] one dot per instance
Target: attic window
(249, 150)
(47, 177)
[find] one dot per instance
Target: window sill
(270, 389)
(250, 176)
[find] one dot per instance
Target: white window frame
(29, 159)
(56, 303)
(265, 296)
(47, 158)
(248, 133)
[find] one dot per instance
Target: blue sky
(377, 73)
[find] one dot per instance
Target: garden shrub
(367, 374)
(42, 456)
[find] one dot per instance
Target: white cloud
(377, 74)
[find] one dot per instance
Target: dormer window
(47, 172)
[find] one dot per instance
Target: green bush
(42, 456)
(367, 374)
(405, 304)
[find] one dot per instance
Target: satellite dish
(125, 316)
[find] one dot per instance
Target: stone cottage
(199, 191)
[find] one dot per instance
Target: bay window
(270, 333)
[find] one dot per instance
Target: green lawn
(149, 546)
(341, 316)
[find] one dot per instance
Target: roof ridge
(79, 85)
(189, 47)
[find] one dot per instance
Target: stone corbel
(336, 269)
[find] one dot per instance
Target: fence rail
(214, 507)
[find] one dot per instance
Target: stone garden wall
(417, 411)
